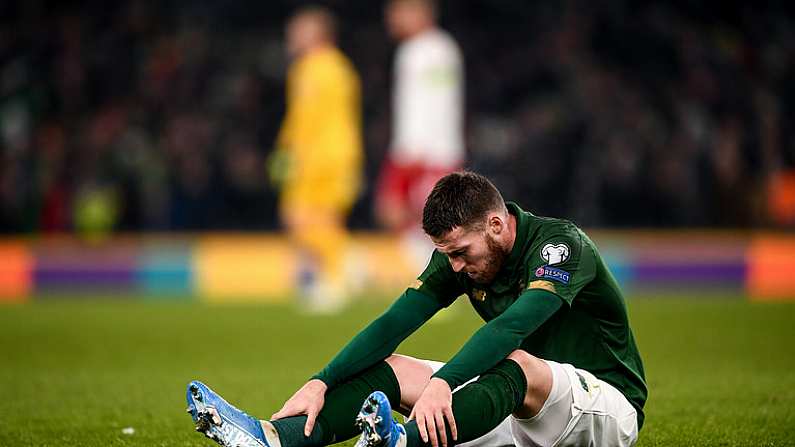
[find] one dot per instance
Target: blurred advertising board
(264, 267)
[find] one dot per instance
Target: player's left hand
(433, 408)
(308, 400)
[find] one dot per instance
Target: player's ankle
(271, 435)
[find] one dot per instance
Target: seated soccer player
(554, 364)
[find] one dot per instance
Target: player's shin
(483, 404)
(336, 422)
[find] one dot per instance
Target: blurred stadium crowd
(161, 115)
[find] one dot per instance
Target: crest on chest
(479, 294)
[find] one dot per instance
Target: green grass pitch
(720, 372)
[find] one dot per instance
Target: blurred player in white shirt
(427, 120)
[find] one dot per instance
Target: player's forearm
(380, 339)
(495, 340)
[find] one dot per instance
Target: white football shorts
(581, 410)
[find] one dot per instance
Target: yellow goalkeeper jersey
(322, 129)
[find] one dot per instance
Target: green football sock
(335, 423)
(482, 405)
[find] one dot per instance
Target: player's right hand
(433, 411)
(308, 400)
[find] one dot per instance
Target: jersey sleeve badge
(552, 273)
(554, 254)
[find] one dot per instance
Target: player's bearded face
(474, 252)
(492, 261)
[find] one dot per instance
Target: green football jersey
(591, 332)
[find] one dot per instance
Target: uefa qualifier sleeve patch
(554, 254)
(566, 259)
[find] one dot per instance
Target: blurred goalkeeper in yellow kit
(318, 161)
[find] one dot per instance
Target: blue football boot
(222, 422)
(378, 427)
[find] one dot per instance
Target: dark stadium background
(139, 242)
(612, 113)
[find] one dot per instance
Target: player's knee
(409, 369)
(412, 376)
(539, 380)
(528, 362)
(398, 362)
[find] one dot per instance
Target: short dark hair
(461, 199)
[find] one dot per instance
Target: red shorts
(407, 186)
